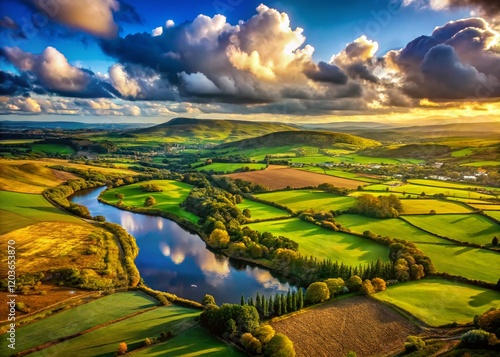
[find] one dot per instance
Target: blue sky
(104, 51)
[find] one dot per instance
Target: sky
(289, 61)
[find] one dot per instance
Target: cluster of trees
(278, 305)
(378, 207)
(329, 188)
(237, 186)
(320, 291)
(240, 324)
(410, 263)
(151, 187)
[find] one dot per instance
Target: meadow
(343, 174)
(471, 263)
(168, 200)
(482, 163)
(299, 200)
(424, 206)
(104, 341)
(462, 152)
(261, 211)
(52, 149)
(485, 206)
(472, 228)
(325, 244)
(229, 168)
(454, 185)
(439, 302)
(390, 227)
(80, 318)
(494, 214)
(428, 190)
(193, 342)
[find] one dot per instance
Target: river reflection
(174, 260)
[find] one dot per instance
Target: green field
(391, 227)
(299, 200)
(16, 141)
(168, 200)
(261, 211)
(485, 206)
(376, 193)
(80, 318)
(428, 190)
(454, 185)
(229, 168)
(340, 173)
(494, 214)
(482, 163)
(472, 263)
(439, 302)
(356, 159)
(190, 343)
(53, 149)
(462, 152)
(19, 210)
(424, 206)
(471, 228)
(133, 331)
(322, 243)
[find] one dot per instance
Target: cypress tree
(289, 304)
(294, 300)
(277, 305)
(271, 306)
(242, 302)
(257, 301)
(265, 308)
(283, 304)
(300, 298)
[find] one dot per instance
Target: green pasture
(377, 193)
(482, 163)
(428, 190)
(168, 200)
(424, 206)
(472, 228)
(229, 168)
(485, 206)
(322, 243)
(195, 341)
(19, 210)
(16, 141)
(261, 211)
(439, 302)
(454, 185)
(494, 214)
(299, 200)
(462, 152)
(133, 331)
(80, 318)
(340, 173)
(53, 149)
(391, 227)
(472, 263)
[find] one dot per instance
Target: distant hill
(188, 130)
(318, 139)
(66, 125)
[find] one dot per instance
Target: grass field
(16, 141)
(482, 163)
(29, 177)
(261, 211)
(193, 342)
(486, 207)
(462, 152)
(299, 200)
(229, 168)
(340, 173)
(494, 214)
(80, 318)
(133, 331)
(454, 185)
(472, 228)
(428, 190)
(392, 227)
(322, 243)
(53, 149)
(424, 206)
(438, 302)
(23, 209)
(472, 263)
(168, 200)
(356, 324)
(279, 177)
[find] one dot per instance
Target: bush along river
(174, 260)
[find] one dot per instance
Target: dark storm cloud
(328, 73)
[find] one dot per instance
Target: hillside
(188, 130)
(318, 139)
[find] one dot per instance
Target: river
(173, 260)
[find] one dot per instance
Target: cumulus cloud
(457, 61)
(485, 7)
(358, 59)
(53, 73)
(198, 83)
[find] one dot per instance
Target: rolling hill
(318, 139)
(187, 130)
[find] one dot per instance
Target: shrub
(122, 349)
(150, 201)
(264, 333)
(379, 284)
(280, 345)
(354, 283)
(475, 339)
(367, 287)
(414, 343)
(490, 321)
(317, 292)
(251, 344)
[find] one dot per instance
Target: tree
(417, 271)
(150, 201)
(219, 238)
(150, 187)
(122, 348)
(354, 283)
(242, 301)
(335, 285)
(475, 339)
(251, 344)
(120, 196)
(208, 299)
(246, 212)
(367, 287)
(279, 346)
(432, 211)
(300, 299)
(379, 284)
(494, 241)
(490, 321)
(414, 343)
(264, 333)
(317, 292)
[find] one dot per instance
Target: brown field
(354, 324)
(279, 177)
